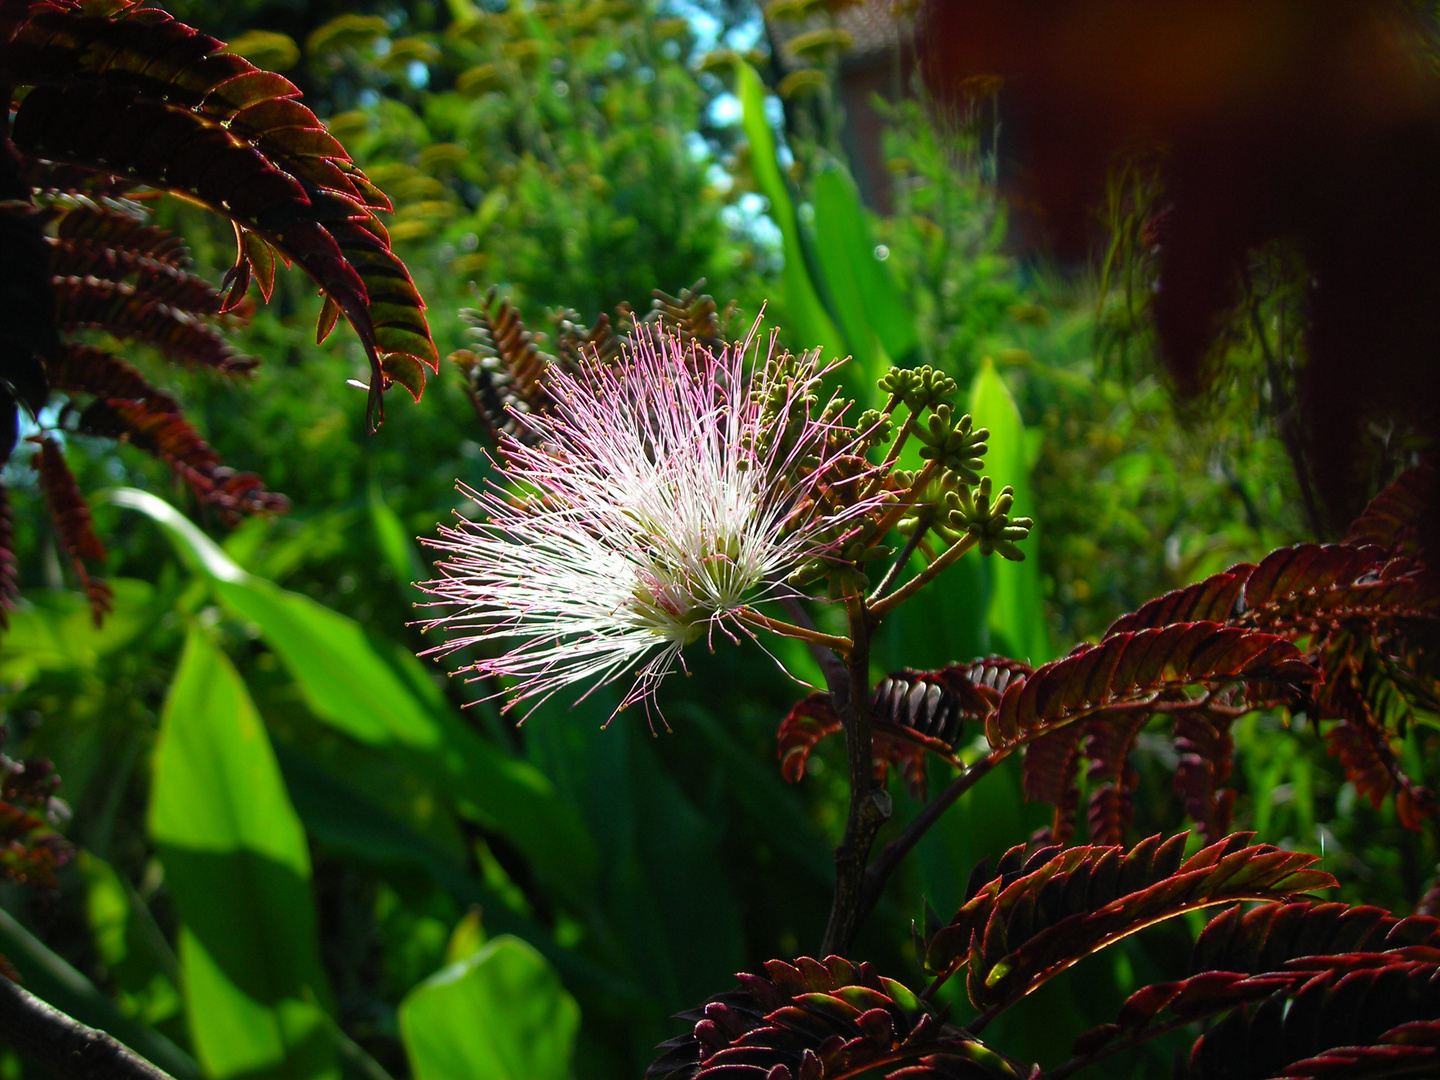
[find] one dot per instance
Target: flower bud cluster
(948, 498)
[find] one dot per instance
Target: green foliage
(239, 869)
(565, 153)
(500, 1013)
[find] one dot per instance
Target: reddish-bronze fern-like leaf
(1111, 776)
(692, 314)
(1137, 671)
(132, 92)
(170, 437)
(1058, 906)
(80, 221)
(73, 524)
(1205, 749)
(1052, 765)
(1298, 589)
(158, 281)
(1411, 1050)
(1332, 1009)
(1395, 518)
(1216, 599)
(1268, 937)
(125, 311)
(504, 370)
(811, 1019)
(84, 369)
(9, 568)
(1248, 956)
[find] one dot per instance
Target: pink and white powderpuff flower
(646, 510)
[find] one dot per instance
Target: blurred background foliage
(393, 884)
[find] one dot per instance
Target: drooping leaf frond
(1047, 910)
(1259, 965)
(171, 438)
(133, 93)
(84, 369)
(1395, 518)
(111, 101)
(73, 524)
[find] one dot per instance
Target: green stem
(881, 607)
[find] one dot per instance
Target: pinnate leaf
(1050, 908)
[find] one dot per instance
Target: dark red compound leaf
(1363, 744)
(1409, 1050)
(1057, 906)
(1138, 671)
(1332, 1005)
(506, 372)
(1216, 599)
(1205, 750)
(1394, 519)
(823, 1020)
(1247, 956)
(1297, 589)
(156, 103)
(504, 369)
(1052, 764)
(1111, 776)
(84, 369)
(117, 247)
(81, 221)
(171, 438)
(125, 311)
(73, 523)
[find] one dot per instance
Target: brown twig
(869, 804)
(879, 871)
(880, 607)
(62, 1044)
(753, 618)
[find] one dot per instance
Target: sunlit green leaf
(876, 319)
(1017, 609)
(500, 1015)
(238, 869)
(809, 323)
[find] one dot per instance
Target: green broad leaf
(238, 869)
(140, 965)
(395, 542)
(374, 697)
(502, 1014)
(1017, 609)
(875, 317)
(805, 314)
(55, 631)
